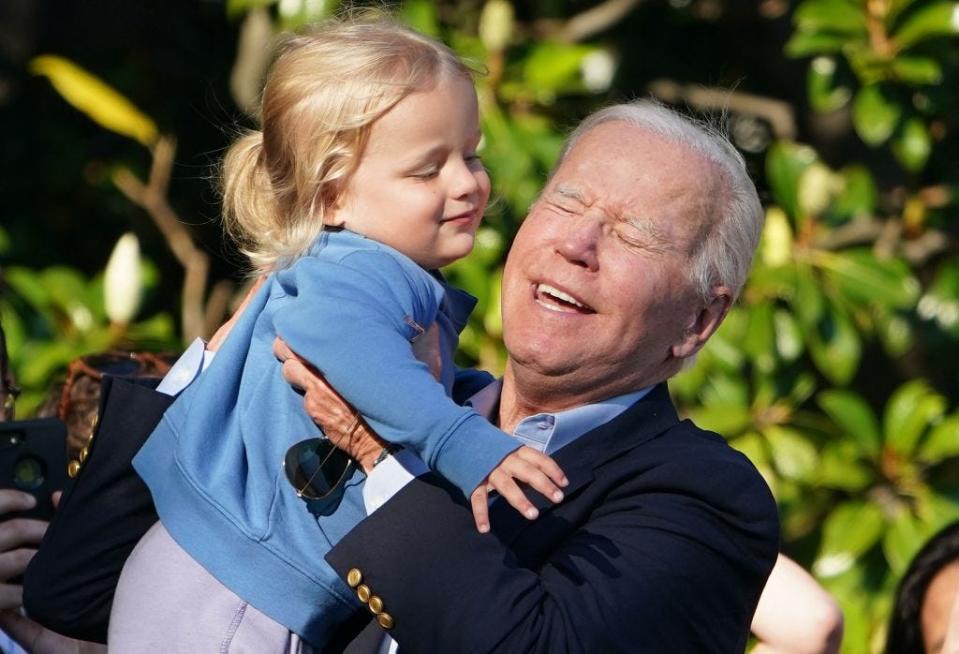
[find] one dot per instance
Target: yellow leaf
(95, 98)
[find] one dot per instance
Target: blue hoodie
(214, 463)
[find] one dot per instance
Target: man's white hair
(725, 251)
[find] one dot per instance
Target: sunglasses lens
(315, 467)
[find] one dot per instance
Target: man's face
(596, 293)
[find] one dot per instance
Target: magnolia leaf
(793, 454)
(835, 346)
(808, 303)
(824, 94)
(865, 278)
(942, 442)
(840, 468)
(874, 115)
(422, 15)
(727, 421)
(789, 342)
(493, 318)
(759, 343)
(849, 531)
(859, 194)
(903, 538)
(910, 410)
(853, 415)
(785, 163)
(775, 246)
(830, 16)
(932, 20)
(917, 70)
(913, 145)
(805, 44)
(95, 98)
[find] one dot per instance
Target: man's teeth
(546, 289)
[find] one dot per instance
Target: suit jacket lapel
(646, 419)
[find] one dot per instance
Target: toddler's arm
(347, 317)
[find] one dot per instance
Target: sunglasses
(316, 469)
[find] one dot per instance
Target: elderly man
(624, 268)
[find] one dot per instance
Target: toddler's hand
(523, 465)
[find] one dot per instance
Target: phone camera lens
(28, 473)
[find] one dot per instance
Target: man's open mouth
(552, 298)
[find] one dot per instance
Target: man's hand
(523, 465)
(14, 535)
(339, 421)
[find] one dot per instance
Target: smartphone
(33, 459)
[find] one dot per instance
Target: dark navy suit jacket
(663, 544)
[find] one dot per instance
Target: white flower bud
(598, 68)
(496, 25)
(818, 187)
(122, 282)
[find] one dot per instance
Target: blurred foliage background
(836, 372)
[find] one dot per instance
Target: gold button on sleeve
(363, 592)
(354, 577)
(376, 605)
(84, 453)
(385, 620)
(73, 468)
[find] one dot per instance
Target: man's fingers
(14, 500)
(545, 463)
(21, 531)
(13, 563)
(480, 502)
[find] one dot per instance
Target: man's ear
(705, 323)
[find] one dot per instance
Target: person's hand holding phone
(18, 540)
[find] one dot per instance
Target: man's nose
(580, 244)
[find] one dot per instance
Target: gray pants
(167, 602)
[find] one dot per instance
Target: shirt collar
(548, 432)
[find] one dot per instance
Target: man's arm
(648, 569)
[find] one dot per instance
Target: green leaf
(903, 538)
(853, 415)
(895, 332)
(913, 145)
(864, 278)
(929, 21)
(849, 531)
(785, 163)
(830, 16)
(821, 88)
(808, 303)
(28, 285)
(874, 115)
(840, 467)
(805, 44)
(910, 410)
(793, 454)
(759, 343)
(422, 16)
(789, 342)
(727, 421)
(916, 70)
(835, 346)
(554, 67)
(942, 442)
(726, 391)
(858, 196)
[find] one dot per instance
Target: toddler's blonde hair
(324, 91)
